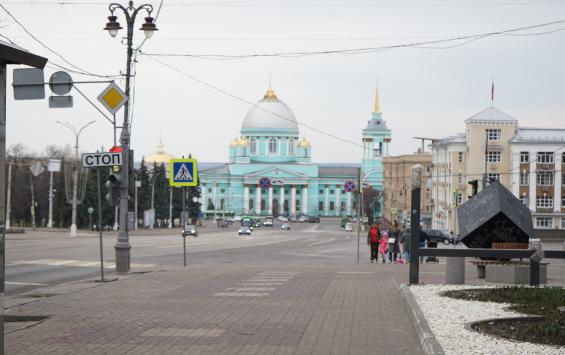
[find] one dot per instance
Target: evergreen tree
(144, 191)
(161, 193)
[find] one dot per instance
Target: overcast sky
(424, 91)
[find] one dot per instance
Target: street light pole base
(123, 259)
(73, 230)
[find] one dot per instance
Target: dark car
(292, 219)
(314, 219)
(439, 236)
(285, 226)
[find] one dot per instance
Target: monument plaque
(494, 215)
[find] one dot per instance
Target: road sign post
(98, 161)
(183, 172)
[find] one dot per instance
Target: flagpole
(492, 93)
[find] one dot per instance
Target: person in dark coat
(393, 240)
(423, 238)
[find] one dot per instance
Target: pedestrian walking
(383, 245)
(423, 238)
(393, 240)
(373, 238)
(405, 242)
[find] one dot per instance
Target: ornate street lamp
(113, 26)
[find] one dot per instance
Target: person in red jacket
(373, 239)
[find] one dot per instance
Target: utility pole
(9, 197)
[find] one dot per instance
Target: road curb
(429, 343)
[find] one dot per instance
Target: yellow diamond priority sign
(113, 98)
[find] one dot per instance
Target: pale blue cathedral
(270, 172)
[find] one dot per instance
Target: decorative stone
(513, 274)
(494, 215)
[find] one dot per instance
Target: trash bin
(432, 259)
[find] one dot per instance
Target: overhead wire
(76, 70)
(367, 50)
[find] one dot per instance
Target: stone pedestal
(513, 274)
(454, 270)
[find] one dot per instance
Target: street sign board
(36, 168)
(113, 98)
(91, 160)
(183, 172)
(28, 84)
(54, 165)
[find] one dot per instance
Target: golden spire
(377, 107)
(270, 94)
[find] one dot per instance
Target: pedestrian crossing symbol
(183, 172)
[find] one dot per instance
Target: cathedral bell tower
(376, 140)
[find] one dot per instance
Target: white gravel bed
(447, 318)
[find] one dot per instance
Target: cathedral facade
(270, 172)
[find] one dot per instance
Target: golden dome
(160, 156)
(304, 143)
(234, 143)
(244, 142)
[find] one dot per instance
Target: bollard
(455, 270)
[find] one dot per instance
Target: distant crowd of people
(393, 245)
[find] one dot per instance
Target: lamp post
(75, 173)
(153, 198)
(122, 246)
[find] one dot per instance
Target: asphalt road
(45, 258)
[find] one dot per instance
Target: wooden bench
(481, 265)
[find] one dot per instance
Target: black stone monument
(494, 215)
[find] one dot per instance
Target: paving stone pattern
(225, 310)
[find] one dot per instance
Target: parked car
(303, 219)
(440, 236)
(285, 226)
(268, 222)
(237, 218)
(314, 219)
(244, 230)
(189, 230)
(292, 219)
(283, 219)
(349, 227)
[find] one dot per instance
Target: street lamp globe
(148, 27)
(113, 26)
(195, 199)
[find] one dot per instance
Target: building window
(524, 200)
(291, 146)
(524, 178)
(332, 206)
(223, 190)
(331, 192)
(342, 207)
(544, 222)
(545, 178)
(210, 205)
(545, 157)
(209, 190)
(273, 146)
(493, 177)
(544, 201)
(253, 146)
(320, 206)
(493, 157)
(222, 204)
(562, 222)
(563, 179)
(524, 157)
(459, 198)
(250, 204)
(460, 178)
(263, 204)
(321, 191)
(460, 157)
(493, 134)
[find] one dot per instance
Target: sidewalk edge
(429, 343)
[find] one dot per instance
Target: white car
(244, 230)
(236, 218)
(283, 219)
(303, 219)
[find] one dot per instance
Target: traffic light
(474, 187)
(113, 187)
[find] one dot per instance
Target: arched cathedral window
(253, 146)
(273, 146)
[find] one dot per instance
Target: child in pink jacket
(383, 245)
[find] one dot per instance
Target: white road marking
(355, 272)
(316, 255)
(240, 294)
(332, 250)
(188, 244)
(248, 283)
(321, 242)
(24, 283)
(244, 289)
(184, 332)
(75, 263)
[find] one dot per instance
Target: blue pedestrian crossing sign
(183, 172)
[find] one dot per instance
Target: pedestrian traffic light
(113, 187)
(474, 187)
